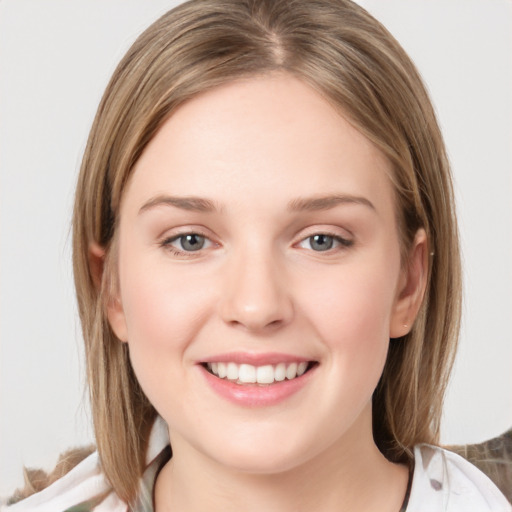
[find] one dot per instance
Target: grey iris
(192, 242)
(321, 242)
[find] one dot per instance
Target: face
(260, 276)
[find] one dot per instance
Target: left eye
(189, 242)
(323, 242)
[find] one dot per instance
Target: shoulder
(82, 489)
(494, 458)
(86, 489)
(444, 481)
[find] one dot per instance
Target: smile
(250, 374)
(257, 380)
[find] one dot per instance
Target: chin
(263, 456)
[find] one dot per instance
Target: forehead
(271, 137)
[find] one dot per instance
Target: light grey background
(55, 59)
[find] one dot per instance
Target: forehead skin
(283, 145)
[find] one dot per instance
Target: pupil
(192, 242)
(321, 242)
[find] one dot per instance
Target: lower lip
(254, 395)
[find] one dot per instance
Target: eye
(322, 242)
(187, 242)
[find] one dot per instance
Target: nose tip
(255, 318)
(257, 297)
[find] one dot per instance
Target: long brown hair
(347, 56)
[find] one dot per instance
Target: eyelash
(344, 243)
(166, 243)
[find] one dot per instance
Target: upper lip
(255, 359)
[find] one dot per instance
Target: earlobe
(117, 319)
(114, 308)
(411, 289)
(96, 263)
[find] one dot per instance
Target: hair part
(347, 56)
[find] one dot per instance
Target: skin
(258, 285)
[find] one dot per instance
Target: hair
(492, 457)
(348, 57)
(36, 480)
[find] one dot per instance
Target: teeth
(223, 371)
(249, 374)
(291, 371)
(280, 372)
(232, 371)
(246, 373)
(265, 374)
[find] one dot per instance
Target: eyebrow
(327, 202)
(190, 203)
(201, 204)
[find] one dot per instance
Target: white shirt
(442, 482)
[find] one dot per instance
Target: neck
(353, 475)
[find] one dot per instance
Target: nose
(256, 293)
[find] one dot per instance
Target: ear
(115, 312)
(411, 287)
(96, 263)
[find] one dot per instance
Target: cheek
(352, 315)
(357, 303)
(159, 308)
(163, 312)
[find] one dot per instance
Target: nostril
(256, 324)
(256, 302)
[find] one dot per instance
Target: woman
(266, 256)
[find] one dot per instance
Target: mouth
(265, 375)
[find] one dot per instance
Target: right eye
(325, 242)
(187, 243)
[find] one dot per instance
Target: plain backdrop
(55, 59)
